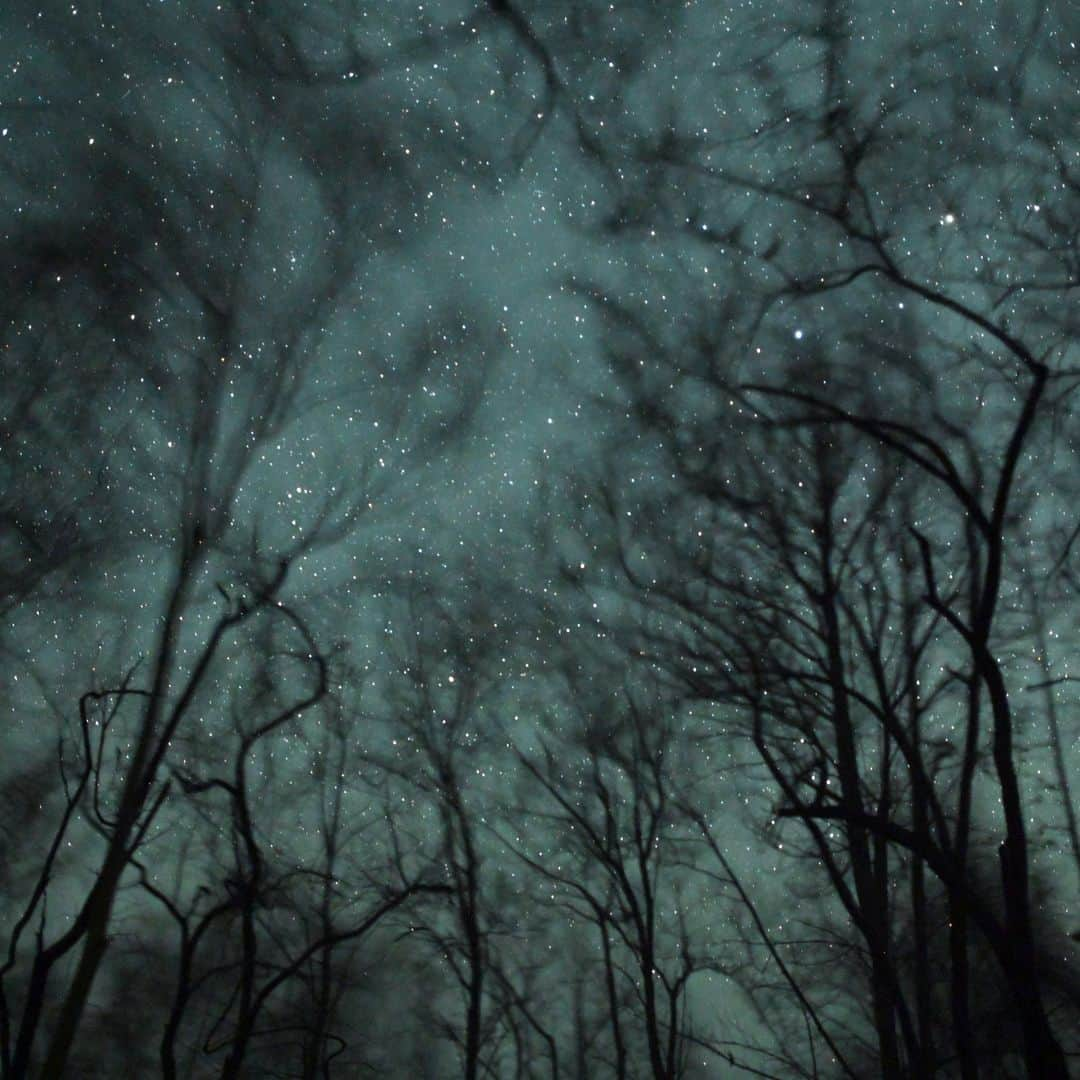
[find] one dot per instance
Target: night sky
(435, 443)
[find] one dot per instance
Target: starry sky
(451, 308)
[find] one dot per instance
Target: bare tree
(844, 369)
(176, 263)
(604, 833)
(852, 436)
(809, 597)
(438, 744)
(266, 899)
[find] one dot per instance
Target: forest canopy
(538, 540)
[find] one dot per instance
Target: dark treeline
(743, 748)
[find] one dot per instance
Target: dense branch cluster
(741, 745)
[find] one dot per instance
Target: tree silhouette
(744, 747)
(171, 262)
(821, 597)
